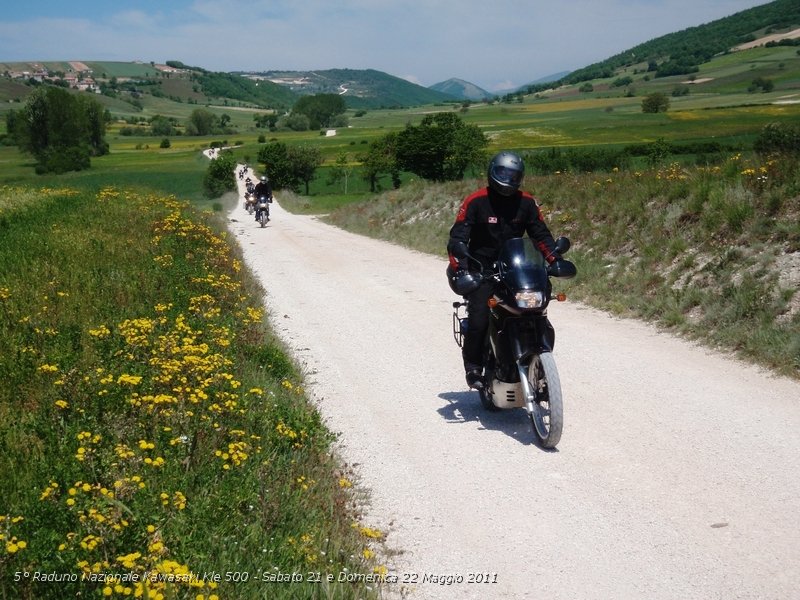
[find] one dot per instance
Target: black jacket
(263, 188)
(486, 220)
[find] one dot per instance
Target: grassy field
(718, 106)
(143, 398)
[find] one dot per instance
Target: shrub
(655, 103)
(61, 160)
(622, 81)
(681, 90)
(779, 138)
(219, 176)
(760, 83)
(577, 159)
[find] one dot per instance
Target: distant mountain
(549, 78)
(463, 90)
(366, 88)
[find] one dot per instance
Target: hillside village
(77, 76)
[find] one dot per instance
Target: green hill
(361, 88)
(682, 52)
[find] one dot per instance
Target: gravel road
(677, 476)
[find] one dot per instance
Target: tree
(201, 122)
(381, 160)
(655, 103)
(766, 85)
(320, 108)
(219, 176)
(161, 126)
(295, 122)
(778, 138)
(61, 130)
(96, 119)
(278, 166)
(341, 170)
(12, 118)
(441, 148)
(304, 161)
(658, 151)
(267, 121)
(289, 166)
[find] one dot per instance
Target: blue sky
(496, 44)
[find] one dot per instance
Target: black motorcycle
(519, 368)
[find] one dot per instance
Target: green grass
(175, 171)
(143, 399)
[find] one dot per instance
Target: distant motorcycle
(249, 203)
(262, 210)
(519, 368)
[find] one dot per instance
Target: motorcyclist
(489, 217)
(263, 188)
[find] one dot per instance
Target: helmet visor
(507, 175)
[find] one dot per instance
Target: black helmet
(263, 178)
(506, 172)
(462, 282)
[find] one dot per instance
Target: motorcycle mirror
(562, 244)
(563, 269)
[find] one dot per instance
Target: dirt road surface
(677, 476)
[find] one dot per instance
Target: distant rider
(486, 220)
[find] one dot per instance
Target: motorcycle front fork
(527, 389)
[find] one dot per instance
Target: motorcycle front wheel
(548, 415)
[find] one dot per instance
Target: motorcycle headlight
(529, 299)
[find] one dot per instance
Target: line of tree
(204, 122)
(287, 167)
(60, 129)
(441, 148)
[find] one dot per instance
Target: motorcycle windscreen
(522, 266)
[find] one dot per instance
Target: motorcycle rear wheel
(548, 418)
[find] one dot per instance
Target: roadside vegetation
(143, 399)
(711, 252)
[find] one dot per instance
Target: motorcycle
(519, 368)
(262, 210)
(249, 203)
